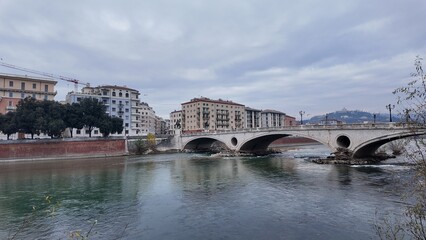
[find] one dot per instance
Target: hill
(354, 116)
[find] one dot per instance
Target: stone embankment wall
(61, 148)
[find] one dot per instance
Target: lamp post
(390, 107)
(301, 117)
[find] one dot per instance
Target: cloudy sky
(316, 56)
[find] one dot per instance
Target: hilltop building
(13, 88)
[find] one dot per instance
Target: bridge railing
(393, 125)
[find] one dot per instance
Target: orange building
(13, 88)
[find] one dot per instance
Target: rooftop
(26, 77)
(221, 101)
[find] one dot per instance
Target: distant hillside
(354, 116)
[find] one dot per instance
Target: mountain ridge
(353, 116)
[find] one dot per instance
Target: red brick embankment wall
(62, 148)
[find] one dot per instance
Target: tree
(412, 99)
(26, 116)
(150, 139)
(50, 118)
(110, 125)
(117, 125)
(105, 126)
(8, 124)
(93, 112)
(73, 116)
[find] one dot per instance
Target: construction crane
(73, 80)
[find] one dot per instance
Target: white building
(122, 102)
(272, 118)
(253, 118)
(147, 119)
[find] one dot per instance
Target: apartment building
(253, 118)
(205, 114)
(272, 118)
(161, 126)
(290, 121)
(148, 121)
(120, 101)
(175, 120)
(13, 88)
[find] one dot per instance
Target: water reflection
(192, 196)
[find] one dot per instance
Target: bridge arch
(368, 148)
(260, 143)
(203, 144)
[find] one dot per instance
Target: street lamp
(390, 107)
(301, 117)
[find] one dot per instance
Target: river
(196, 196)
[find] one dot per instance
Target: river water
(196, 196)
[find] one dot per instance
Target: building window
(34, 86)
(120, 94)
(22, 95)
(104, 93)
(127, 110)
(10, 94)
(10, 103)
(127, 95)
(23, 86)
(45, 97)
(87, 131)
(46, 88)
(10, 83)
(78, 131)
(113, 101)
(78, 99)
(96, 132)
(113, 94)
(113, 109)
(127, 125)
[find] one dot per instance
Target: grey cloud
(287, 55)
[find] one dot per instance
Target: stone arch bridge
(362, 140)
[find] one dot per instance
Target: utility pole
(390, 107)
(301, 117)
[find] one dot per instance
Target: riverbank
(54, 149)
